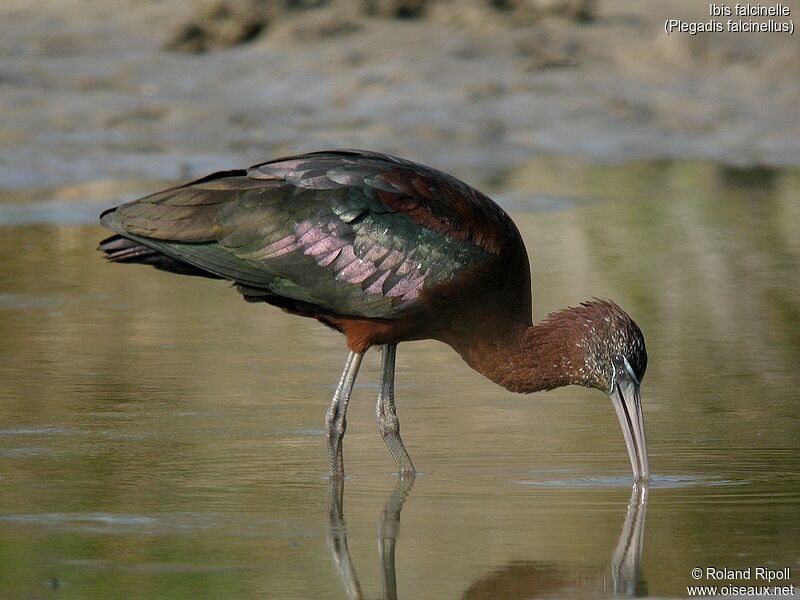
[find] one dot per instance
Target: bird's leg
(388, 423)
(335, 417)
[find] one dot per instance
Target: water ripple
(657, 481)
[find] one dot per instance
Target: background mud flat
(100, 93)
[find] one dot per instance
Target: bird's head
(615, 362)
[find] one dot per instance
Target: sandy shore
(102, 92)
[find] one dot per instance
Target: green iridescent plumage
(352, 233)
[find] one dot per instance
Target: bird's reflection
(625, 568)
(622, 578)
(523, 579)
(388, 529)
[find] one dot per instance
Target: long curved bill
(628, 405)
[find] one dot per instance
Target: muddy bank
(103, 91)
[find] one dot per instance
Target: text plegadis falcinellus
(385, 251)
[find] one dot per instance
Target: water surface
(160, 438)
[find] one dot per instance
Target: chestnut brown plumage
(386, 250)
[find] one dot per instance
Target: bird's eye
(619, 361)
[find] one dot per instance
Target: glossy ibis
(386, 250)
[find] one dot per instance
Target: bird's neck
(530, 358)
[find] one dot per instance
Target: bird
(386, 250)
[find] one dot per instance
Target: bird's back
(336, 235)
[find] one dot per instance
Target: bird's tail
(121, 249)
(118, 248)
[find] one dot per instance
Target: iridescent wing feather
(351, 232)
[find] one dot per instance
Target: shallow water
(160, 438)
